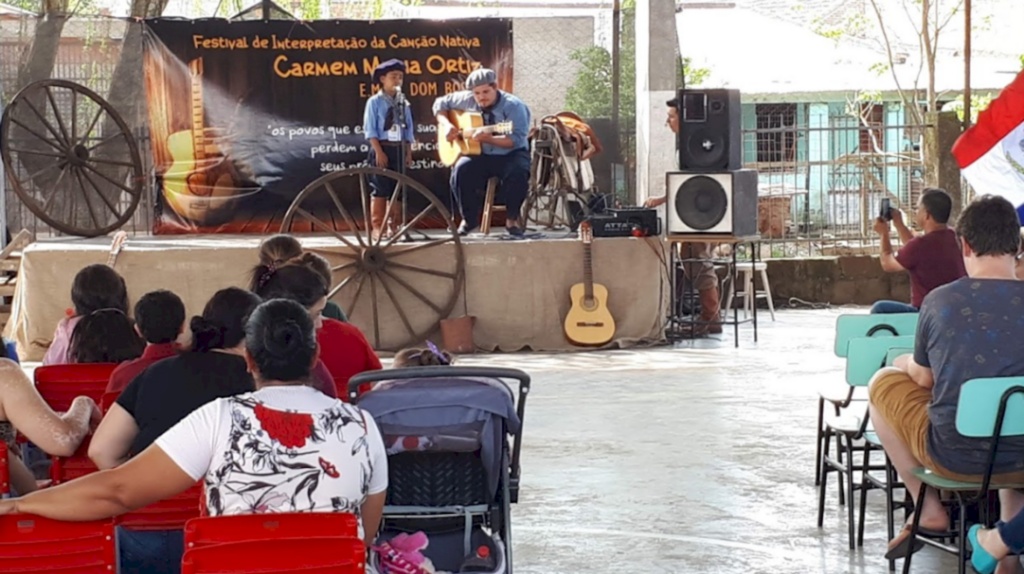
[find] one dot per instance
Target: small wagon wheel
(71, 158)
(396, 300)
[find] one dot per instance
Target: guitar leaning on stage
(468, 123)
(588, 323)
(199, 167)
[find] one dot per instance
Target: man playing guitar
(503, 156)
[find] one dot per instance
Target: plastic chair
(170, 514)
(5, 472)
(991, 409)
(34, 545)
(895, 352)
(322, 555)
(59, 385)
(108, 400)
(840, 396)
(865, 356)
(241, 527)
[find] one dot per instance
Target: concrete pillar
(656, 48)
(940, 167)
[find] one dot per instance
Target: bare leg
(22, 479)
(1010, 503)
(933, 515)
(992, 542)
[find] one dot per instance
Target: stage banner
(244, 115)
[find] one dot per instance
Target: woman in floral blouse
(284, 448)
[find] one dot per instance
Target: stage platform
(517, 290)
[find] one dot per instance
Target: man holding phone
(932, 259)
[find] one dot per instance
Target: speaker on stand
(711, 198)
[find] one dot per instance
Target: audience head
(275, 251)
(989, 228)
(222, 324)
(105, 336)
(280, 342)
(1020, 259)
(432, 357)
(98, 287)
(935, 205)
(159, 316)
(295, 282)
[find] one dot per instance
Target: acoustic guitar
(588, 323)
(469, 123)
(199, 168)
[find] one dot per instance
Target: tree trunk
(929, 52)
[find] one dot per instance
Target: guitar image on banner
(589, 323)
(468, 123)
(201, 180)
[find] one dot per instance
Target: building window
(872, 116)
(776, 133)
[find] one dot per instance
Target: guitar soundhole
(589, 303)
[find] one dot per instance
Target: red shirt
(346, 352)
(933, 260)
(125, 372)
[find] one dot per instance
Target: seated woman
(105, 336)
(238, 445)
(164, 394)
(95, 287)
(348, 350)
(282, 249)
(23, 410)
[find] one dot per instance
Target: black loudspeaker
(723, 203)
(710, 136)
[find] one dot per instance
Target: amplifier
(626, 222)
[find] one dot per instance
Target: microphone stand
(402, 105)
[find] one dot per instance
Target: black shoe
(515, 231)
(465, 229)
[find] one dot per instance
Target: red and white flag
(991, 153)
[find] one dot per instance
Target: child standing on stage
(382, 125)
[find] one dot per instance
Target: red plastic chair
(108, 400)
(278, 556)
(5, 472)
(34, 545)
(241, 527)
(170, 514)
(59, 385)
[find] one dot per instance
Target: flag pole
(967, 64)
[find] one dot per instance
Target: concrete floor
(697, 458)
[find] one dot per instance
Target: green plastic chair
(856, 326)
(986, 408)
(890, 358)
(865, 356)
(852, 327)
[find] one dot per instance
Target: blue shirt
(507, 108)
(970, 329)
(378, 119)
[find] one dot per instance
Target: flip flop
(898, 545)
(982, 561)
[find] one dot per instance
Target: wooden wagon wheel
(71, 158)
(394, 299)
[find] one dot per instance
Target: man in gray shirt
(968, 329)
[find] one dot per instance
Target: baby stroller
(452, 471)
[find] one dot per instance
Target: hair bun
(283, 338)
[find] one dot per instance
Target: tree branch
(892, 65)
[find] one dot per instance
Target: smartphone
(886, 210)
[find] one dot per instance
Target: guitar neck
(588, 272)
(198, 146)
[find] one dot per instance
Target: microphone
(398, 96)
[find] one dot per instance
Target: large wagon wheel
(381, 283)
(71, 158)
